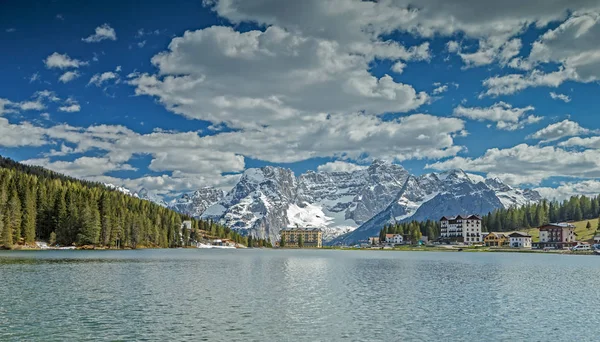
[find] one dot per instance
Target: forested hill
(38, 204)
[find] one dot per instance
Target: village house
(394, 239)
(520, 240)
(374, 240)
(465, 229)
(311, 237)
(557, 235)
(494, 239)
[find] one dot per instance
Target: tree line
(38, 204)
(576, 208)
(532, 215)
(414, 229)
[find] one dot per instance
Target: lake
(297, 295)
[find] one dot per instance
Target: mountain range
(348, 206)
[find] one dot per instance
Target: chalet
(520, 240)
(557, 235)
(494, 239)
(394, 239)
(459, 228)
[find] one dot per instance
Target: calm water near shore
(297, 295)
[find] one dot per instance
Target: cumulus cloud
(82, 167)
(440, 89)
(103, 32)
(340, 166)
(562, 97)
(62, 61)
(22, 134)
(503, 114)
(559, 130)
(525, 164)
(513, 83)
(567, 189)
(69, 76)
(99, 79)
(70, 108)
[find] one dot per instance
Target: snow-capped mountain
(145, 194)
(195, 203)
(353, 204)
(434, 195)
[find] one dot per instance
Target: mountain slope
(434, 195)
(268, 199)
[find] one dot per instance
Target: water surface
(297, 295)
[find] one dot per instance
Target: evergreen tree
(14, 215)
(300, 240)
(282, 242)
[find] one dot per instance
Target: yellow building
(310, 237)
(496, 240)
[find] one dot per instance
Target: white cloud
(62, 61)
(559, 130)
(11, 29)
(440, 89)
(562, 97)
(60, 17)
(270, 78)
(34, 77)
(525, 164)
(75, 107)
(22, 134)
(398, 67)
(565, 190)
(83, 167)
(141, 44)
(99, 79)
(69, 76)
(102, 32)
(340, 166)
(512, 83)
(503, 114)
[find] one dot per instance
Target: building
(557, 235)
(465, 229)
(520, 240)
(374, 240)
(494, 239)
(394, 239)
(311, 237)
(597, 239)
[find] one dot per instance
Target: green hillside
(583, 233)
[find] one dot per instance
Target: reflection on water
(303, 295)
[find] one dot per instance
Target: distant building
(311, 237)
(520, 240)
(597, 239)
(557, 235)
(495, 239)
(394, 239)
(374, 240)
(465, 229)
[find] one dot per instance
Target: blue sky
(174, 96)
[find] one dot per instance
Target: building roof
(557, 225)
(462, 217)
(519, 234)
(496, 234)
(302, 229)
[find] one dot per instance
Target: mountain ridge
(349, 203)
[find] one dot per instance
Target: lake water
(297, 295)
